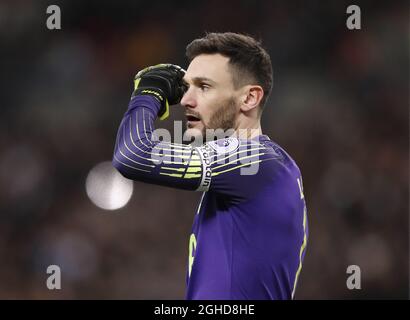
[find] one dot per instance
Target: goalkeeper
(250, 230)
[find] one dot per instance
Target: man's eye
(204, 87)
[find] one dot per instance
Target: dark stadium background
(339, 106)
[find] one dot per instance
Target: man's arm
(219, 165)
(138, 156)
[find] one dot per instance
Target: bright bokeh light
(107, 188)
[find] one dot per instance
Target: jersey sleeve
(139, 155)
(223, 166)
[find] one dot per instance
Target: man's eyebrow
(199, 80)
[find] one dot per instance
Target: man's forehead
(208, 66)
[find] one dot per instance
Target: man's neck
(249, 130)
(248, 133)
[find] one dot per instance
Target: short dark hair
(249, 60)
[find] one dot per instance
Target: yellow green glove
(163, 82)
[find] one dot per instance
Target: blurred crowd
(339, 106)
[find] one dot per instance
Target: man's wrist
(145, 101)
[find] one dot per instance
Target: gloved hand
(162, 81)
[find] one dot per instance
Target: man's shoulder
(276, 152)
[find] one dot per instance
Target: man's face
(211, 100)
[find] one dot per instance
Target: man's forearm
(138, 156)
(133, 147)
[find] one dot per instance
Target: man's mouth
(192, 119)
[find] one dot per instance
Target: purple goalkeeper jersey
(250, 229)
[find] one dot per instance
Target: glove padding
(162, 81)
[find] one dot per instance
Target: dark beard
(223, 119)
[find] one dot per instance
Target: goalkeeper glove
(162, 81)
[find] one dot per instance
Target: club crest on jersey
(223, 146)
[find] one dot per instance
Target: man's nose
(188, 100)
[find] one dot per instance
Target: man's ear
(251, 97)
